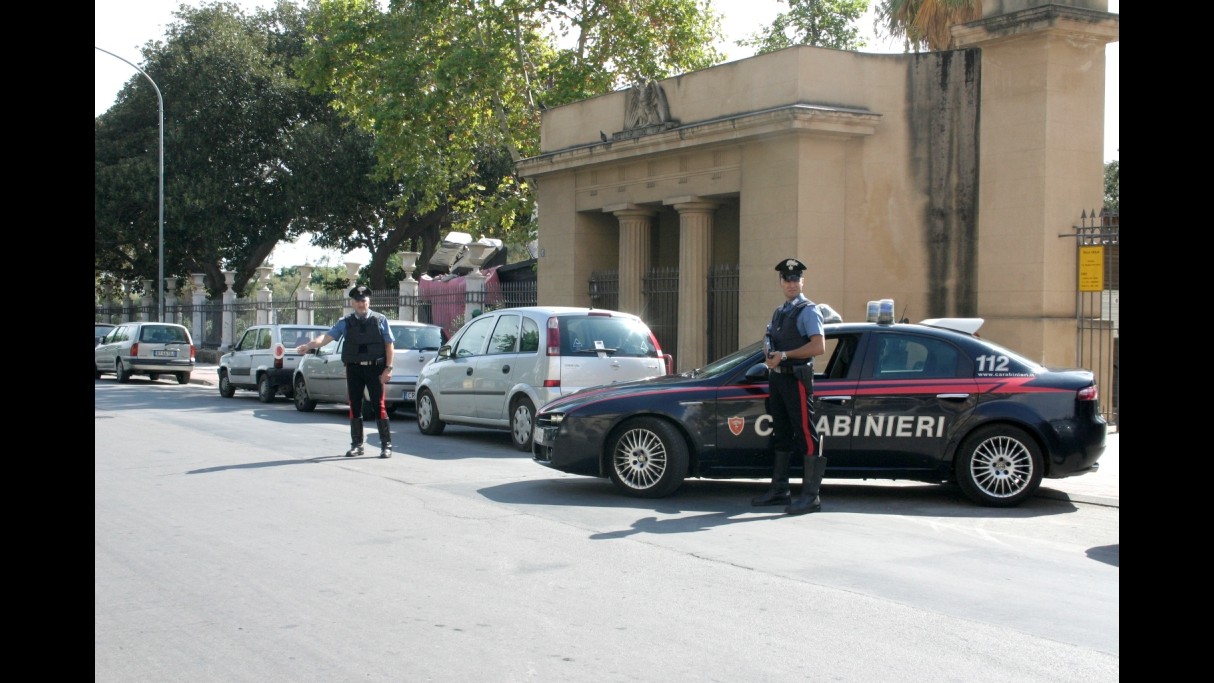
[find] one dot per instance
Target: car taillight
(552, 384)
(191, 352)
(279, 352)
(135, 349)
(1088, 393)
(554, 337)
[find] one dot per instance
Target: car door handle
(835, 399)
(952, 397)
(505, 369)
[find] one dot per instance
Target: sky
(121, 26)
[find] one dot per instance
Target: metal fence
(1097, 299)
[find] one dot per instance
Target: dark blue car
(927, 402)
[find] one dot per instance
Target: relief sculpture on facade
(645, 106)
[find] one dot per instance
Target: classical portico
(941, 180)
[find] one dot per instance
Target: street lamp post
(160, 101)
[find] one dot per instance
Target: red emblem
(736, 425)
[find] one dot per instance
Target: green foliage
(925, 24)
(454, 111)
(251, 157)
(821, 23)
(1112, 186)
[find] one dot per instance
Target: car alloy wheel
(999, 466)
(648, 458)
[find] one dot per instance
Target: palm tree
(925, 23)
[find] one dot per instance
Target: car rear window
(417, 338)
(617, 336)
(294, 336)
(163, 334)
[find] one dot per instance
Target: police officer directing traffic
(794, 336)
(367, 354)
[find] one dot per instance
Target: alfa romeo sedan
(929, 402)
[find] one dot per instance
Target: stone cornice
(1073, 22)
(810, 119)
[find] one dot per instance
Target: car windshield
(726, 364)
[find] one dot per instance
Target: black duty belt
(787, 369)
(368, 362)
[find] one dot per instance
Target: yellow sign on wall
(1091, 269)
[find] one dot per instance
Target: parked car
(499, 366)
(264, 360)
(145, 348)
(927, 402)
(99, 332)
(321, 375)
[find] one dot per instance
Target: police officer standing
(794, 336)
(367, 354)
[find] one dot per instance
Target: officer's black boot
(385, 438)
(356, 437)
(809, 501)
(777, 493)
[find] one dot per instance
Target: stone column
(265, 297)
(634, 259)
(147, 303)
(127, 295)
(408, 286)
(229, 308)
(695, 256)
(306, 295)
(170, 300)
(351, 280)
(200, 298)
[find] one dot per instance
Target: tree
(925, 24)
(252, 157)
(822, 23)
(1112, 186)
(452, 91)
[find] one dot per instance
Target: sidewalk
(1099, 488)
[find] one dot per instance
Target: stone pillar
(408, 286)
(306, 295)
(265, 297)
(1042, 162)
(147, 303)
(351, 280)
(634, 259)
(200, 298)
(229, 309)
(127, 294)
(695, 256)
(170, 300)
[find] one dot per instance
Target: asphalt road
(232, 542)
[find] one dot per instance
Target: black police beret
(791, 266)
(360, 292)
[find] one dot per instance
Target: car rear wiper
(609, 352)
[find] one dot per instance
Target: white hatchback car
(321, 376)
(145, 348)
(501, 365)
(264, 360)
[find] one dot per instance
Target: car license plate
(410, 395)
(540, 436)
(164, 353)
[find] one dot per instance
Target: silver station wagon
(145, 348)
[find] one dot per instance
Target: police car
(930, 402)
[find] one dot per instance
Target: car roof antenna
(904, 319)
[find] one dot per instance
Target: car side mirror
(444, 351)
(757, 373)
(225, 348)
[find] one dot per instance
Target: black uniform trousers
(791, 404)
(359, 377)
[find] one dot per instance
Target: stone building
(943, 180)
